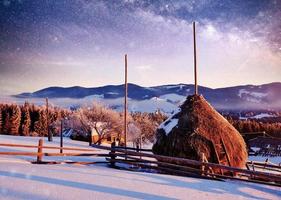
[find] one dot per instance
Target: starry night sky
(82, 42)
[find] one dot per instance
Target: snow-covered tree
(40, 126)
(15, 118)
(134, 132)
(147, 125)
(25, 120)
(104, 120)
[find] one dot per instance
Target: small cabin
(109, 138)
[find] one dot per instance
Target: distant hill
(266, 96)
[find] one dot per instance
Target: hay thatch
(198, 128)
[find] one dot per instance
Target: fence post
(138, 146)
(61, 136)
(202, 167)
(40, 150)
(253, 166)
(265, 163)
(90, 139)
(112, 154)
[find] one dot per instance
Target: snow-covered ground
(274, 160)
(21, 180)
(259, 116)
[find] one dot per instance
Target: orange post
(40, 151)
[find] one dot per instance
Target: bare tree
(147, 123)
(105, 121)
(134, 132)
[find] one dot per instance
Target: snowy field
(21, 180)
(272, 160)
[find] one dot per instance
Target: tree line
(255, 125)
(29, 119)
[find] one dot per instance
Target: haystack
(198, 128)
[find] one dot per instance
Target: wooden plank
(217, 155)
(131, 148)
(268, 168)
(267, 165)
(46, 147)
(224, 148)
(70, 162)
(20, 153)
(51, 154)
(75, 154)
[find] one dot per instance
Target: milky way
(82, 42)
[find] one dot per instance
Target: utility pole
(50, 137)
(61, 135)
(125, 102)
(195, 60)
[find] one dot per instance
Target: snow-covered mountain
(164, 97)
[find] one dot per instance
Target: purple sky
(83, 42)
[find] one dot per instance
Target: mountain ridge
(241, 97)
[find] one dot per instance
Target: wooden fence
(182, 166)
(40, 154)
(137, 159)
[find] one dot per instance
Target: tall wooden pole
(61, 135)
(195, 60)
(125, 103)
(50, 138)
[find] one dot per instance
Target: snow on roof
(169, 125)
(171, 122)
